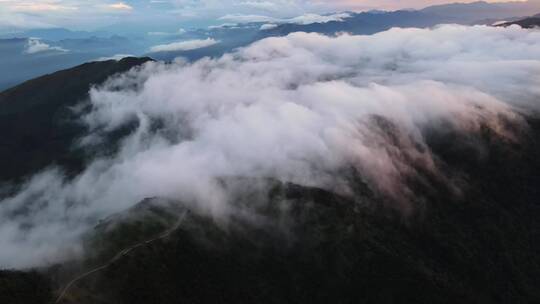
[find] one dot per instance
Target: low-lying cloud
(120, 6)
(184, 45)
(116, 57)
(34, 45)
(302, 19)
(268, 26)
(299, 108)
(180, 31)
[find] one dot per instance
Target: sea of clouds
(299, 108)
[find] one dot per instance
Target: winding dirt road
(118, 256)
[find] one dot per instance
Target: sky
(94, 14)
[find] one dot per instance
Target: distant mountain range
(17, 66)
(56, 34)
(367, 23)
(476, 11)
(364, 23)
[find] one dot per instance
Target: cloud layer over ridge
(299, 108)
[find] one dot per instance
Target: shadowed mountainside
(36, 119)
(17, 287)
(530, 22)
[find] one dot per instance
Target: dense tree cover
(17, 287)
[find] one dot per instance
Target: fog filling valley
(301, 108)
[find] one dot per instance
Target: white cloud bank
(268, 26)
(34, 45)
(180, 31)
(116, 57)
(302, 19)
(184, 45)
(120, 6)
(299, 108)
(315, 18)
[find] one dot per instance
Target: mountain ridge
(36, 116)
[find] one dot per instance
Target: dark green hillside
(18, 287)
(36, 122)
